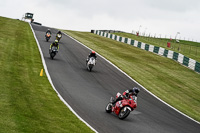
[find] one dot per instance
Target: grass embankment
(175, 84)
(187, 48)
(27, 101)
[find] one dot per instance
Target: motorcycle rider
(92, 54)
(58, 36)
(127, 94)
(48, 31)
(54, 44)
(59, 33)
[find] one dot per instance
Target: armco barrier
(197, 67)
(188, 62)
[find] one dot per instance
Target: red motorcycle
(122, 108)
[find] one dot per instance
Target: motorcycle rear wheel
(123, 113)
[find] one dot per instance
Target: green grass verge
(187, 48)
(27, 101)
(170, 81)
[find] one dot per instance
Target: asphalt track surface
(89, 92)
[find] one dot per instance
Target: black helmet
(136, 90)
(59, 32)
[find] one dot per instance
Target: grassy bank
(175, 84)
(187, 48)
(27, 101)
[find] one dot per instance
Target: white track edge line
(49, 78)
(137, 82)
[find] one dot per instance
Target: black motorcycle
(53, 51)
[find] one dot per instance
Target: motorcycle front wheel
(52, 54)
(90, 67)
(108, 108)
(124, 112)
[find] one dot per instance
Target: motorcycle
(91, 63)
(48, 36)
(53, 51)
(58, 37)
(122, 108)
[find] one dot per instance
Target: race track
(89, 92)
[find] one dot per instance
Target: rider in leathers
(59, 33)
(55, 44)
(48, 31)
(92, 54)
(127, 94)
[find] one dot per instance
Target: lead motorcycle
(91, 63)
(53, 51)
(122, 108)
(48, 36)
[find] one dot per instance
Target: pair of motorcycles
(48, 36)
(89, 64)
(122, 108)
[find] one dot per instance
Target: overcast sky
(160, 17)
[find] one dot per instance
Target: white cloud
(165, 17)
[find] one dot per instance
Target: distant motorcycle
(53, 51)
(58, 37)
(122, 108)
(91, 63)
(48, 36)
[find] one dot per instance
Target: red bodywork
(125, 102)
